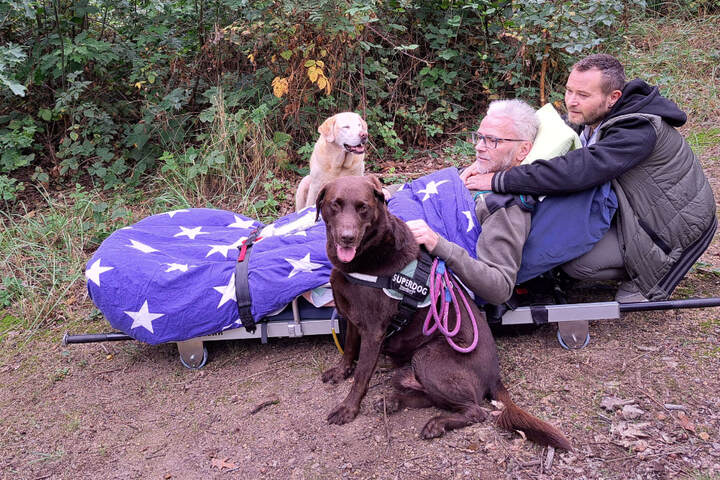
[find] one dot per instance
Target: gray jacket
(666, 211)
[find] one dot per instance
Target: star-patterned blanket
(171, 276)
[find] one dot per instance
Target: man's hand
(479, 181)
(468, 172)
(423, 234)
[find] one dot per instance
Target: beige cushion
(554, 136)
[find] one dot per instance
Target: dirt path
(129, 410)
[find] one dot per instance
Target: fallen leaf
(221, 463)
(704, 436)
(611, 403)
(631, 412)
(630, 431)
(685, 422)
(640, 446)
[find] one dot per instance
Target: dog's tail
(515, 418)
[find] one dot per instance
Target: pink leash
(441, 282)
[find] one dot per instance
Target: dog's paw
(342, 414)
(387, 405)
(336, 374)
(434, 428)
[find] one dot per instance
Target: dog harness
(410, 286)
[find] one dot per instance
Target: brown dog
(363, 237)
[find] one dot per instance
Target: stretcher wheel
(573, 335)
(192, 362)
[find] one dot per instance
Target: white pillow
(554, 136)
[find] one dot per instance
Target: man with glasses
(503, 140)
(666, 209)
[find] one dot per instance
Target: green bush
(101, 89)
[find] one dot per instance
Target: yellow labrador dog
(339, 152)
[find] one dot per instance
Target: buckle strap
(242, 287)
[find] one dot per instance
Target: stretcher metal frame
(301, 319)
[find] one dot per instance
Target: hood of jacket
(639, 97)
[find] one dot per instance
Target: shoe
(627, 292)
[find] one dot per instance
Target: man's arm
(624, 145)
(499, 252)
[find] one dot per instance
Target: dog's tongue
(356, 149)
(345, 254)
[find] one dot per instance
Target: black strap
(409, 305)
(539, 314)
(242, 287)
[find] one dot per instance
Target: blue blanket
(170, 277)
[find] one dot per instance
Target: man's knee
(580, 269)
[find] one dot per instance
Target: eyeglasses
(490, 141)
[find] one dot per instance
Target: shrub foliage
(113, 90)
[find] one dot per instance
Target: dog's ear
(327, 129)
(319, 201)
(377, 188)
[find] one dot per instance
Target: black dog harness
(414, 290)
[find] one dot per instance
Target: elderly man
(666, 212)
(503, 140)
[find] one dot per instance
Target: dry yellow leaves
(317, 75)
(251, 57)
(280, 86)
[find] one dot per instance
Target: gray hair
(521, 115)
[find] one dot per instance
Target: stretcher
(300, 318)
(197, 275)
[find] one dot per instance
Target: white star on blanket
(431, 188)
(177, 266)
(191, 233)
(93, 273)
(142, 247)
(227, 291)
(223, 249)
(172, 213)
(143, 317)
(240, 223)
(302, 265)
(469, 216)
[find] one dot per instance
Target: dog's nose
(347, 237)
(363, 137)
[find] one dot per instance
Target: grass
(43, 255)
(682, 59)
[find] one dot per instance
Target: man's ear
(522, 152)
(319, 202)
(327, 129)
(614, 97)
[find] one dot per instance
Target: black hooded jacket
(624, 145)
